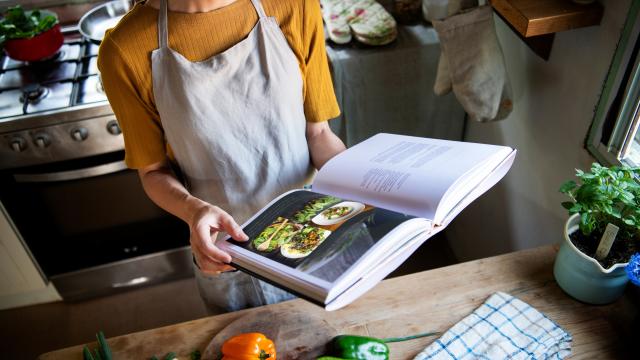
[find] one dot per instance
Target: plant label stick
(606, 241)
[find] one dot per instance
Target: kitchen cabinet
(21, 283)
(432, 300)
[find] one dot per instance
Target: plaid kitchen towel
(502, 328)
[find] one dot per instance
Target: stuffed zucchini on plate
(304, 242)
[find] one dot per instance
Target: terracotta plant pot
(582, 276)
(35, 48)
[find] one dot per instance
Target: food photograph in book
(318, 234)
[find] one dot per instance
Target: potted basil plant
(601, 234)
(30, 35)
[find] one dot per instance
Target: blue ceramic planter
(583, 277)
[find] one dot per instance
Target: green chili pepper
(353, 347)
(359, 348)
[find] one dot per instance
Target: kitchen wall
(554, 106)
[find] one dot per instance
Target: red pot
(36, 48)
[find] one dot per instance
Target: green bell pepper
(354, 347)
(358, 348)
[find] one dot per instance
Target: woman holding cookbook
(235, 94)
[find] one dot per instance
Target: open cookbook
(370, 208)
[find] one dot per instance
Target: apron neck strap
(163, 34)
(259, 9)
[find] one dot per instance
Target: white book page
(405, 173)
(489, 181)
(392, 242)
(378, 273)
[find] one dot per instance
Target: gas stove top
(55, 110)
(67, 79)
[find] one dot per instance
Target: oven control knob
(113, 128)
(79, 134)
(42, 140)
(18, 144)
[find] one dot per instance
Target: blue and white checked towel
(501, 328)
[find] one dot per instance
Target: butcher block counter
(432, 300)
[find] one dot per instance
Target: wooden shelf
(539, 17)
(536, 21)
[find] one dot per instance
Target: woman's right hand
(206, 221)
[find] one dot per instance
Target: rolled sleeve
(139, 120)
(320, 102)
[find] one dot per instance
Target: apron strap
(258, 5)
(163, 34)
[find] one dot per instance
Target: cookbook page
(403, 173)
(313, 237)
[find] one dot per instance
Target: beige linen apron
(236, 125)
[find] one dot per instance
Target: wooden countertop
(428, 301)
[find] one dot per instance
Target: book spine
(260, 277)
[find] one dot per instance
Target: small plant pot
(35, 48)
(582, 276)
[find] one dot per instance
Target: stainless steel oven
(80, 212)
(91, 228)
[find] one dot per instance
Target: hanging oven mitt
(475, 64)
(367, 20)
(442, 85)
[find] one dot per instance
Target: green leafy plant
(606, 195)
(20, 24)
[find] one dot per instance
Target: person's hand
(207, 220)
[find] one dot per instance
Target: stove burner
(33, 93)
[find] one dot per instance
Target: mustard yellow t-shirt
(124, 61)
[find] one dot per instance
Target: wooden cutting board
(297, 336)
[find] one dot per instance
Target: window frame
(627, 119)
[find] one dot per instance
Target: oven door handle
(103, 169)
(131, 283)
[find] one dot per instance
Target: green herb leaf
(19, 24)
(575, 208)
(568, 186)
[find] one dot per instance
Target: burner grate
(38, 75)
(68, 78)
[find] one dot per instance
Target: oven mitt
(475, 64)
(442, 85)
(367, 20)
